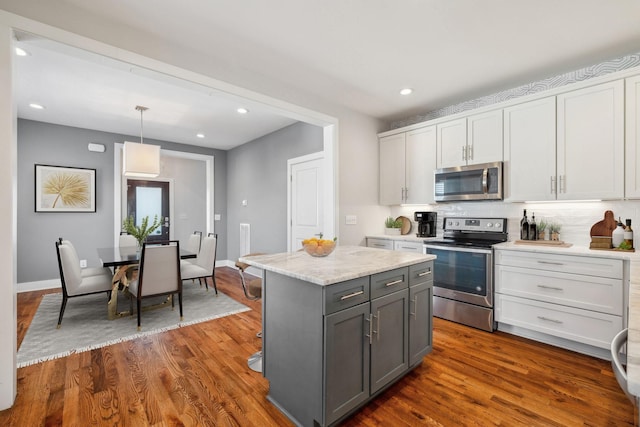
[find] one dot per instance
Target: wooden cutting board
(604, 227)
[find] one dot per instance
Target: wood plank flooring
(198, 376)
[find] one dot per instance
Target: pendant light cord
(142, 110)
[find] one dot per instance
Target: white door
(306, 194)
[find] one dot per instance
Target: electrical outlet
(350, 219)
(83, 263)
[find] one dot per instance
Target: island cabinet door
(389, 344)
(346, 360)
(420, 321)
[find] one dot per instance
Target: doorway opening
(151, 200)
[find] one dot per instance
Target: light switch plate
(216, 217)
(350, 219)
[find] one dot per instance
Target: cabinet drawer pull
(550, 262)
(424, 273)
(395, 282)
(354, 294)
(415, 307)
(550, 287)
(550, 320)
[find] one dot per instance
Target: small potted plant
(542, 227)
(140, 232)
(554, 230)
(392, 226)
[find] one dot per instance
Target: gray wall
(257, 172)
(42, 143)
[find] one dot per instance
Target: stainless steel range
(463, 270)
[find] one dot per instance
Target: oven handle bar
(458, 249)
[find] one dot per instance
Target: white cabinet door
(452, 143)
(530, 151)
(392, 170)
(484, 137)
(632, 140)
(420, 162)
(590, 143)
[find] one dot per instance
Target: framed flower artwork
(64, 189)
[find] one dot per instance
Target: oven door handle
(458, 249)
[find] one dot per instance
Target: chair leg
(180, 304)
(206, 284)
(139, 307)
(213, 280)
(62, 307)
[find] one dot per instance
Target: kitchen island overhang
(338, 330)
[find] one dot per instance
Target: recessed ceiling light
(21, 52)
(406, 91)
(200, 135)
(242, 110)
(36, 106)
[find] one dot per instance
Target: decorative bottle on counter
(617, 236)
(533, 228)
(524, 227)
(628, 235)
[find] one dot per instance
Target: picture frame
(64, 189)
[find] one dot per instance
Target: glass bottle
(533, 228)
(524, 227)
(628, 235)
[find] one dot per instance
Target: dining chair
(159, 274)
(204, 265)
(252, 288)
(87, 271)
(74, 283)
(193, 246)
(127, 240)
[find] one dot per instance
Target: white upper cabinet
(569, 147)
(392, 154)
(470, 140)
(632, 140)
(590, 143)
(420, 162)
(452, 143)
(530, 151)
(407, 162)
(484, 137)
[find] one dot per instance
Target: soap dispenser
(617, 236)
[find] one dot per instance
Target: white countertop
(345, 263)
(633, 344)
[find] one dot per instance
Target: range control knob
(498, 225)
(489, 225)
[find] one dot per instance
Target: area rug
(85, 325)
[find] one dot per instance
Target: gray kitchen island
(338, 330)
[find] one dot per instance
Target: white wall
(8, 228)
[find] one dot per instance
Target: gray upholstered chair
(193, 244)
(127, 240)
(252, 288)
(87, 271)
(76, 281)
(204, 265)
(159, 274)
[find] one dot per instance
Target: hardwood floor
(198, 376)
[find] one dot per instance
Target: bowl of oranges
(318, 246)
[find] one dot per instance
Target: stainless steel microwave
(473, 182)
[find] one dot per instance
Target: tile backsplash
(576, 218)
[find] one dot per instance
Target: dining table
(123, 260)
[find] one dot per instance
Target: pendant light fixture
(140, 160)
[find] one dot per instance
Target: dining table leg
(119, 278)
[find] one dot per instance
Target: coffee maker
(426, 223)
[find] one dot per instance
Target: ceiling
(357, 54)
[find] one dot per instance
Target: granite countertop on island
(345, 263)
